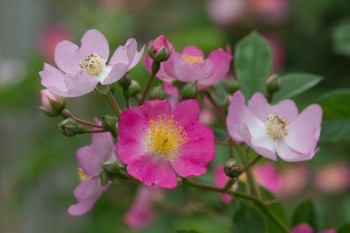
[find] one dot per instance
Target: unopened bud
(157, 92)
(109, 123)
(125, 81)
(134, 88)
(232, 168)
(189, 91)
(232, 86)
(51, 104)
(273, 83)
(159, 49)
(109, 172)
(110, 167)
(70, 127)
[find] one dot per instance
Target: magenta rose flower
(157, 142)
(90, 159)
(191, 65)
(306, 228)
(81, 69)
(142, 212)
(275, 129)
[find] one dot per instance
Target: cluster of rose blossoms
(162, 142)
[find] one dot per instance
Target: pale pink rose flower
(191, 65)
(90, 159)
(275, 129)
(227, 12)
(81, 69)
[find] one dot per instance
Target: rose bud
(51, 104)
(159, 49)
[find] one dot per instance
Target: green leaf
(276, 208)
(341, 38)
(335, 130)
(344, 228)
(247, 218)
(253, 63)
(308, 212)
(294, 84)
(336, 104)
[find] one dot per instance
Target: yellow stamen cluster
(192, 59)
(82, 175)
(276, 126)
(165, 137)
(93, 64)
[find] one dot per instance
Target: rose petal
(196, 153)
(153, 170)
(87, 194)
(290, 155)
(91, 157)
(187, 113)
(304, 131)
(259, 106)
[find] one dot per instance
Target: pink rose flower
(275, 129)
(156, 141)
(294, 178)
(80, 69)
(220, 179)
(227, 12)
(302, 228)
(90, 159)
(306, 228)
(142, 212)
(191, 65)
(333, 178)
(272, 10)
(268, 177)
(49, 39)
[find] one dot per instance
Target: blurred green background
(37, 163)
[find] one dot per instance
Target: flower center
(82, 175)
(192, 59)
(166, 137)
(276, 126)
(93, 64)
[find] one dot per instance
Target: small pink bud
(159, 49)
(160, 42)
(51, 104)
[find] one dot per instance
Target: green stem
(148, 85)
(113, 104)
(126, 97)
(94, 131)
(256, 201)
(252, 187)
(251, 164)
(217, 108)
(65, 113)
